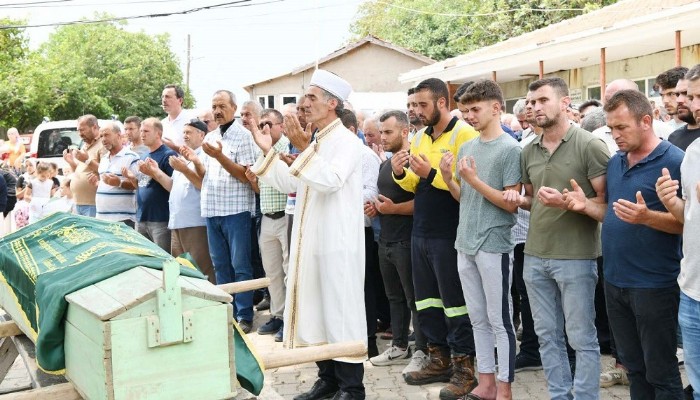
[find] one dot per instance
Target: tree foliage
(13, 54)
(100, 69)
(448, 28)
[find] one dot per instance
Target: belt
(275, 215)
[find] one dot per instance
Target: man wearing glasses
(208, 118)
(273, 227)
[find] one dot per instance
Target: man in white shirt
(174, 123)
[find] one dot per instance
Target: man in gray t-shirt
(484, 243)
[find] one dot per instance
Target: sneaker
(614, 376)
(279, 336)
(264, 304)
(271, 327)
(393, 355)
(418, 362)
(523, 363)
(246, 326)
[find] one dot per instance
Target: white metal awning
(563, 47)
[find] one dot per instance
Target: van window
(52, 142)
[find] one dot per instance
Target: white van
(50, 139)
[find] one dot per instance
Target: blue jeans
(644, 322)
(229, 245)
(561, 294)
(689, 320)
(88, 211)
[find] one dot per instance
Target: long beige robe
(325, 282)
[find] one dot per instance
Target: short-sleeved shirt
(222, 194)
(174, 130)
(142, 150)
(271, 200)
(683, 137)
(84, 191)
(185, 200)
(689, 278)
(435, 212)
(635, 255)
(483, 225)
(394, 227)
(153, 198)
(553, 232)
(114, 203)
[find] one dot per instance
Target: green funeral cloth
(42, 263)
(248, 370)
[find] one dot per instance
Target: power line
(10, 5)
(231, 4)
(41, 4)
(487, 14)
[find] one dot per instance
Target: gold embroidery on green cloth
(75, 236)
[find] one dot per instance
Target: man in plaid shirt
(228, 200)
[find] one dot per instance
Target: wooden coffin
(150, 334)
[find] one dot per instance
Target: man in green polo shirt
(560, 269)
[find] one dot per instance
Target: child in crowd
(39, 190)
(21, 209)
(62, 201)
(53, 168)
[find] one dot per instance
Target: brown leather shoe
(462, 381)
(438, 369)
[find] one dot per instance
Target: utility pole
(187, 68)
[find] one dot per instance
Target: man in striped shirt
(116, 197)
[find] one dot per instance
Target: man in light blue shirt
(188, 227)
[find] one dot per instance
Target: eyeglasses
(270, 124)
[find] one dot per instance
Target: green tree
(101, 69)
(451, 27)
(13, 60)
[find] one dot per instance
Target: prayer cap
(197, 124)
(331, 83)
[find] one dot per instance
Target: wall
(368, 68)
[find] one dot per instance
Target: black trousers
(644, 323)
(607, 345)
(529, 345)
(376, 303)
(397, 274)
(10, 205)
(347, 376)
(442, 312)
